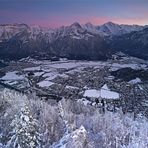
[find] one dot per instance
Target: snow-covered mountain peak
(90, 25)
(75, 25)
(91, 28)
(9, 30)
(35, 29)
(110, 24)
(75, 30)
(111, 28)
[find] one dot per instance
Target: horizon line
(69, 24)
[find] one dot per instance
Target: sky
(55, 13)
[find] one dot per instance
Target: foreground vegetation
(28, 122)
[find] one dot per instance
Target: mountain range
(77, 41)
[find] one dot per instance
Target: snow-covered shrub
(28, 123)
(18, 127)
(109, 129)
(51, 124)
(76, 139)
(12, 105)
(25, 130)
(24, 117)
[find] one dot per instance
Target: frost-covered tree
(10, 108)
(18, 128)
(109, 129)
(25, 131)
(51, 124)
(67, 123)
(76, 139)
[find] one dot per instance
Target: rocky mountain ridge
(87, 42)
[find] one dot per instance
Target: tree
(25, 131)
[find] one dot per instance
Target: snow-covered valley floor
(75, 103)
(93, 81)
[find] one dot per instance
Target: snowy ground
(12, 76)
(68, 124)
(45, 83)
(80, 82)
(135, 81)
(75, 79)
(104, 93)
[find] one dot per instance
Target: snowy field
(12, 76)
(45, 72)
(104, 93)
(77, 119)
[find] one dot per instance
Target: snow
(11, 82)
(91, 28)
(84, 101)
(135, 81)
(63, 59)
(25, 118)
(75, 30)
(45, 83)
(65, 65)
(52, 67)
(90, 128)
(103, 93)
(145, 103)
(93, 93)
(140, 87)
(110, 77)
(12, 76)
(105, 87)
(76, 37)
(110, 28)
(79, 131)
(37, 74)
(32, 68)
(63, 75)
(76, 64)
(116, 66)
(107, 94)
(51, 75)
(72, 139)
(71, 87)
(78, 69)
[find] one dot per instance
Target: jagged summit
(110, 23)
(89, 24)
(75, 24)
(76, 41)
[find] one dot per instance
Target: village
(91, 83)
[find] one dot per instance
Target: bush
(66, 123)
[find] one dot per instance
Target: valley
(81, 85)
(52, 81)
(73, 74)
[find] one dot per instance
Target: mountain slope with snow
(9, 30)
(134, 43)
(77, 41)
(115, 29)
